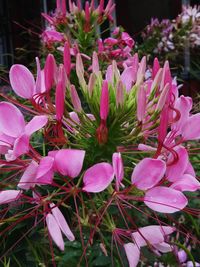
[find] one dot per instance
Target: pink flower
(13, 126)
(153, 235)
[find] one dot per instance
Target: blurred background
(21, 23)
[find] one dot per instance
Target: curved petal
(62, 222)
(132, 253)
(186, 183)
(22, 81)
(35, 124)
(98, 177)
(127, 78)
(55, 231)
(69, 162)
(28, 178)
(147, 173)
(11, 120)
(45, 171)
(163, 199)
(21, 146)
(163, 247)
(153, 234)
(191, 129)
(8, 196)
(176, 169)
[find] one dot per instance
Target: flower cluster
(105, 143)
(168, 38)
(78, 27)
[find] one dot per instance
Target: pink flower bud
(120, 94)
(75, 99)
(60, 93)
(156, 67)
(67, 58)
(50, 71)
(95, 63)
(104, 101)
(141, 103)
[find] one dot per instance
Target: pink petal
(186, 183)
(147, 173)
(183, 105)
(11, 120)
(118, 168)
(127, 78)
(132, 253)
(176, 169)
(22, 81)
(36, 124)
(8, 196)
(163, 247)
(60, 93)
(163, 199)
(29, 177)
(54, 231)
(189, 169)
(62, 222)
(153, 234)
(69, 162)
(191, 129)
(45, 171)
(21, 146)
(98, 177)
(104, 101)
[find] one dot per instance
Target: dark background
(21, 23)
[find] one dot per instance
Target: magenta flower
(13, 126)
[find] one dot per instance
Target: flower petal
(176, 169)
(163, 247)
(191, 129)
(132, 253)
(11, 120)
(45, 171)
(186, 183)
(54, 231)
(36, 124)
(21, 146)
(153, 234)
(98, 177)
(62, 222)
(69, 162)
(8, 196)
(147, 173)
(163, 199)
(28, 178)
(22, 81)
